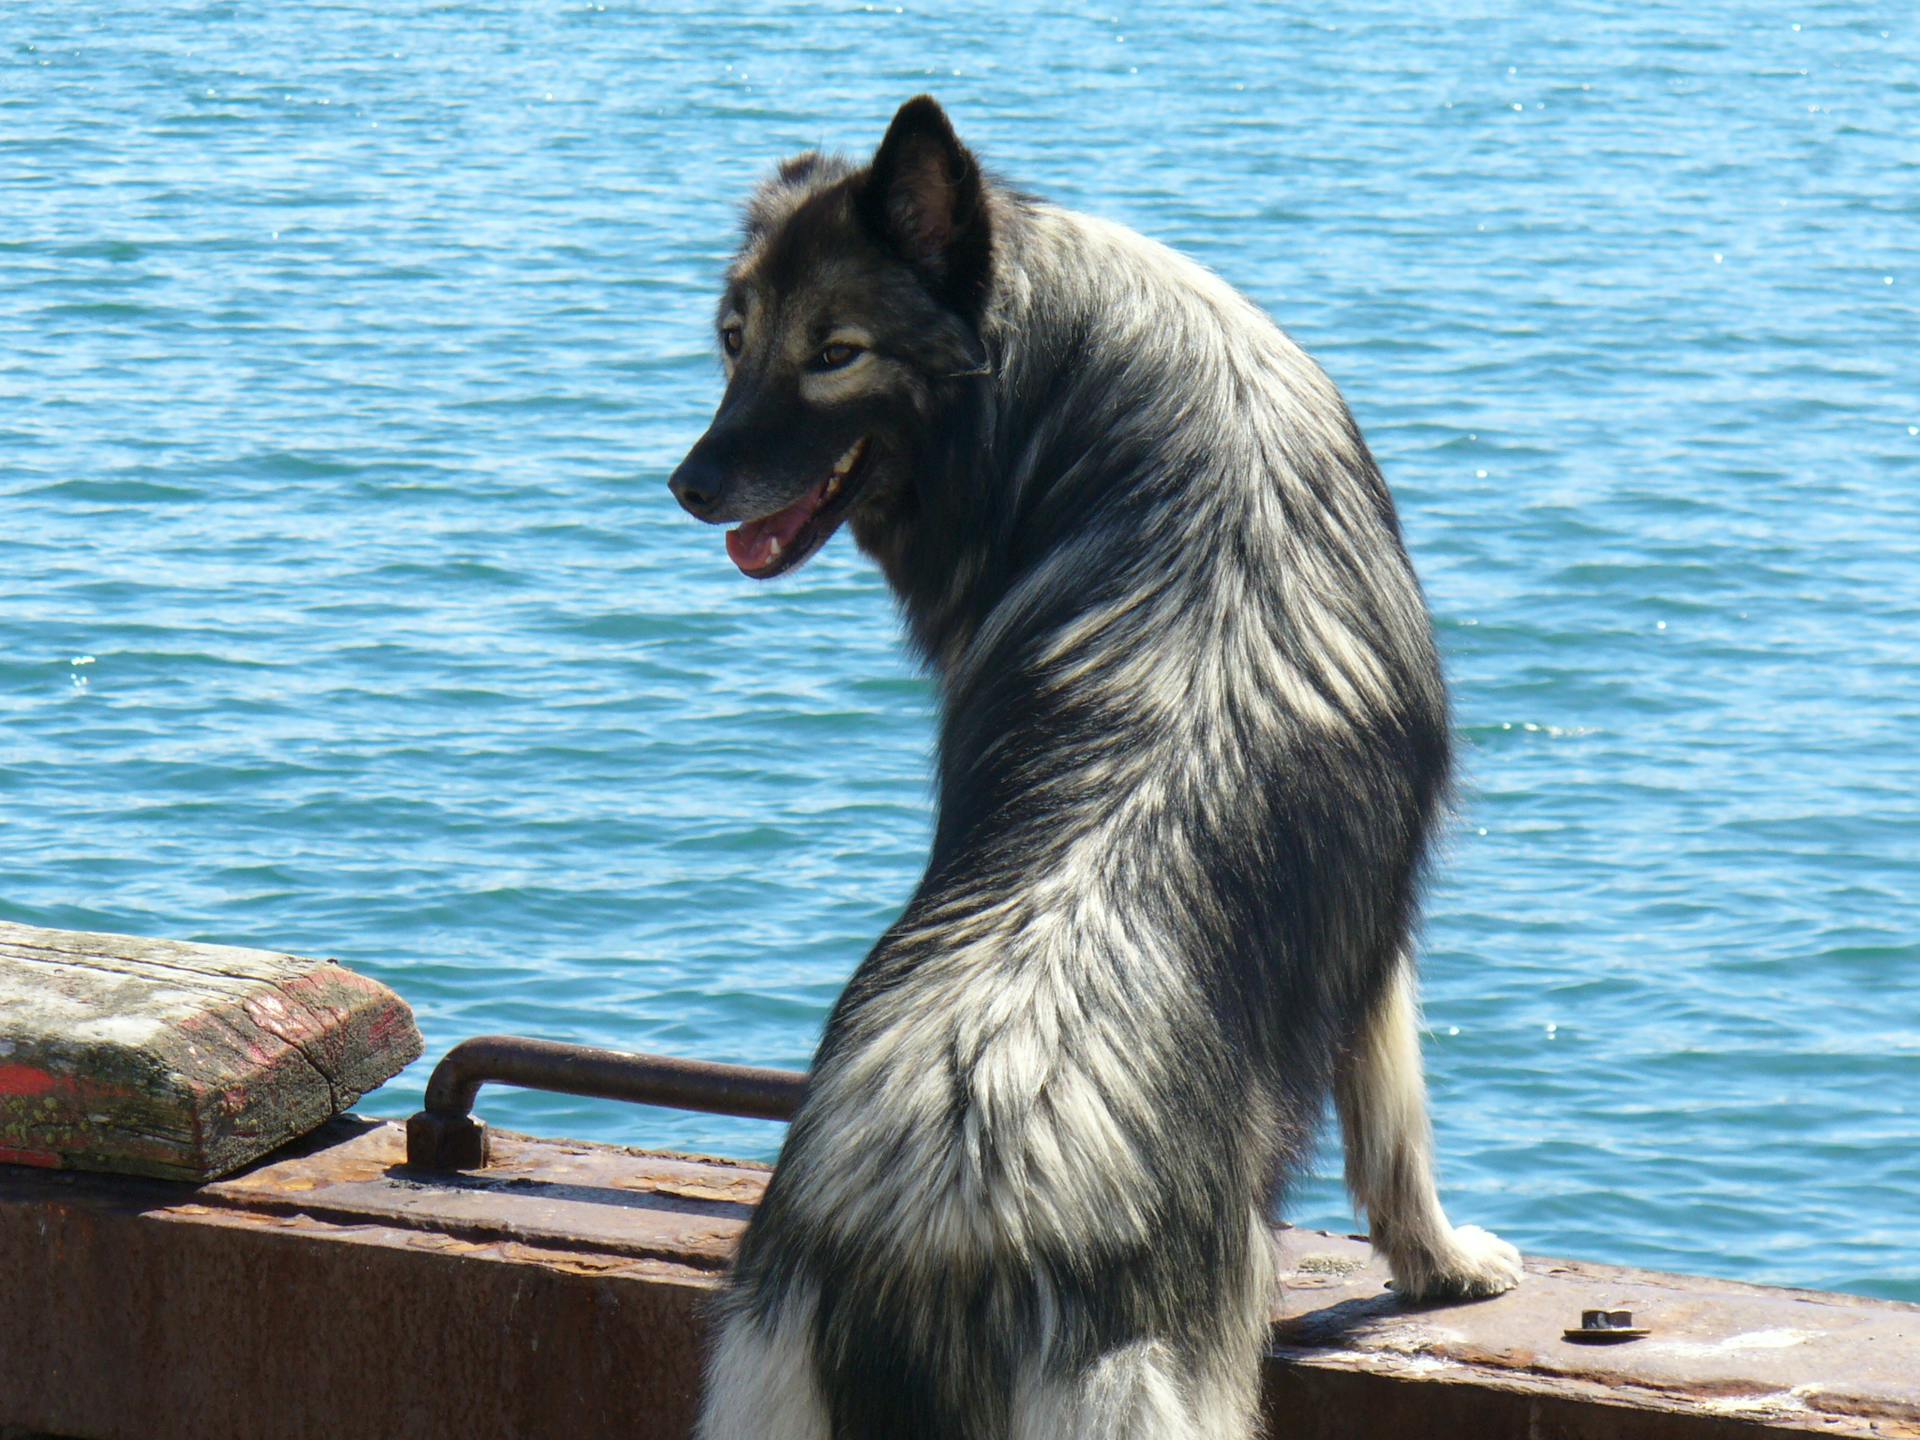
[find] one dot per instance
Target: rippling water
(344, 350)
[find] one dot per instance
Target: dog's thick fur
(1193, 747)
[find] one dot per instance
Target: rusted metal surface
(158, 1057)
(446, 1136)
(567, 1197)
(1724, 1359)
(338, 1291)
(193, 1322)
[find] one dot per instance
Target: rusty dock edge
(331, 1291)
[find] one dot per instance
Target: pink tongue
(750, 546)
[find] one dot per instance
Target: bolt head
(446, 1142)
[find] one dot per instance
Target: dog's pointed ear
(925, 198)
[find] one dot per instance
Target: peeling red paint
(26, 1080)
(273, 1014)
(217, 1029)
(388, 1023)
(42, 1159)
(322, 991)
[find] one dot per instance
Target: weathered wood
(563, 1292)
(163, 1058)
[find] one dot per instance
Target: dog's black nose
(697, 489)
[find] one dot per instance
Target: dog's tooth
(833, 485)
(773, 547)
(850, 459)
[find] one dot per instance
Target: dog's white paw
(1471, 1264)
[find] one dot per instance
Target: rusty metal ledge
(330, 1291)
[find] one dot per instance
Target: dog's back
(1192, 749)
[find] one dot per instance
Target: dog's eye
(733, 337)
(836, 357)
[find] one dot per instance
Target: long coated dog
(1193, 747)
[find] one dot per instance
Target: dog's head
(850, 314)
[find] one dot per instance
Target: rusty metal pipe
(447, 1136)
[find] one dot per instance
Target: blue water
(345, 348)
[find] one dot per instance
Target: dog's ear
(924, 197)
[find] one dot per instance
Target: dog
(1193, 748)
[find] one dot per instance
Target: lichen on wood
(179, 1060)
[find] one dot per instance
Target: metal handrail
(446, 1135)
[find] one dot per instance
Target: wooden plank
(183, 1061)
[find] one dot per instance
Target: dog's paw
(1470, 1265)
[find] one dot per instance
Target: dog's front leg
(1381, 1094)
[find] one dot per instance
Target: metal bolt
(446, 1142)
(1606, 1327)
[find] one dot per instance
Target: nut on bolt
(1605, 1327)
(446, 1142)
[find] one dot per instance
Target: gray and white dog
(1193, 748)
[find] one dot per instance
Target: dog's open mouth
(776, 543)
